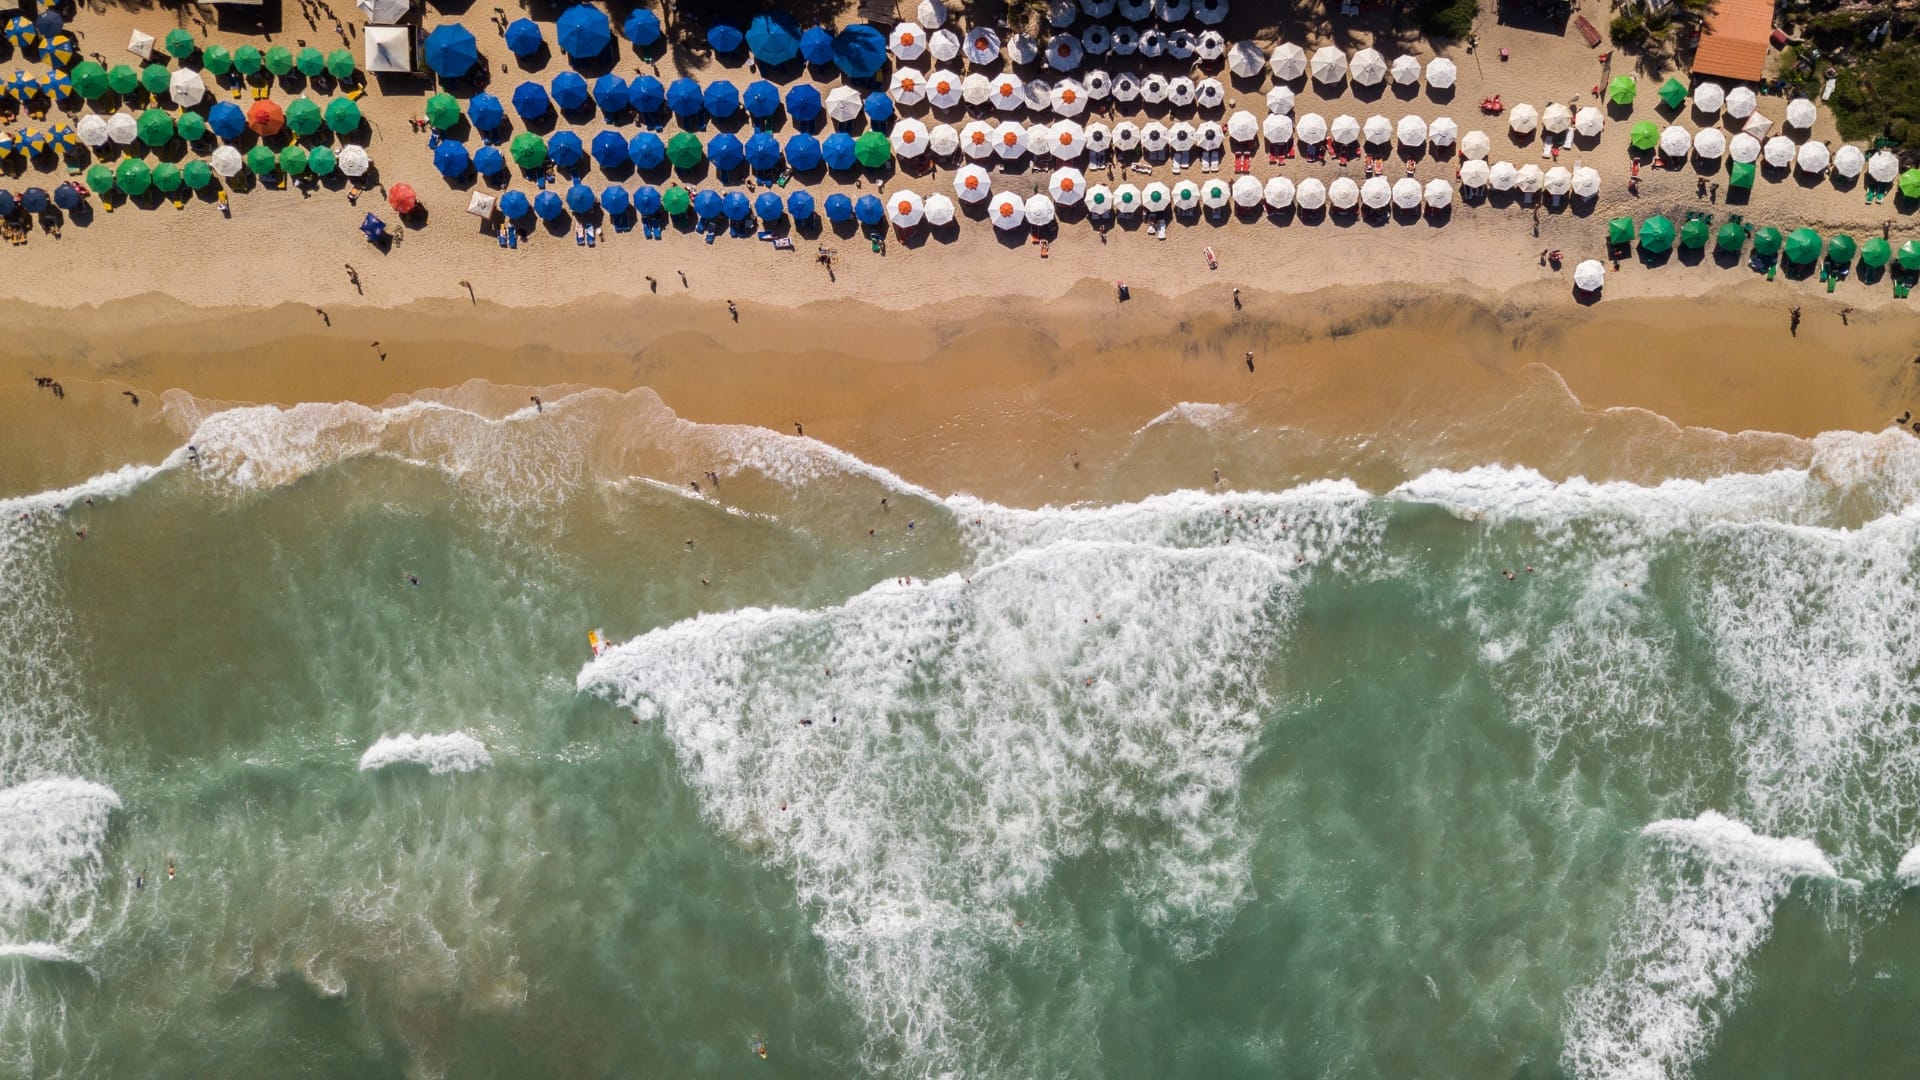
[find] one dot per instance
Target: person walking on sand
(1793, 323)
(381, 351)
(1249, 359)
(733, 311)
(324, 317)
(537, 406)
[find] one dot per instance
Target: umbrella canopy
(1801, 113)
(1039, 210)
(133, 177)
(683, 97)
(123, 80)
(642, 27)
(1673, 92)
(1345, 129)
(1475, 174)
(354, 160)
(773, 38)
(185, 88)
(1524, 119)
(1379, 129)
(166, 177)
(1368, 67)
(293, 160)
(646, 95)
(547, 206)
(1288, 61)
(803, 152)
(724, 38)
(530, 100)
(1910, 183)
(1438, 194)
(443, 111)
(608, 149)
(726, 152)
(1812, 157)
(1127, 200)
(580, 199)
(905, 210)
(1441, 73)
(1875, 252)
(1694, 234)
(872, 149)
(1767, 240)
(1586, 182)
(1743, 148)
(1310, 194)
(1841, 248)
(1412, 131)
(762, 152)
(1558, 180)
(1589, 276)
(342, 116)
(302, 116)
(843, 104)
(1621, 90)
(310, 61)
(1778, 151)
(1741, 102)
(1007, 210)
(908, 41)
(803, 103)
(1475, 146)
(1344, 194)
(1556, 118)
(89, 80)
(1245, 59)
(761, 99)
(569, 90)
(1883, 166)
(909, 138)
(646, 150)
(1656, 234)
(859, 51)
(1803, 245)
(868, 210)
(878, 107)
(583, 32)
(676, 200)
(450, 159)
(1645, 135)
(800, 205)
(261, 160)
(1675, 141)
(340, 64)
(529, 151)
(155, 127)
(972, 183)
(449, 50)
(1849, 160)
(767, 205)
(1710, 144)
(523, 37)
(224, 160)
(1909, 255)
(1708, 97)
(154, 79)
(197, 174)
(1376, 192)
(1067, 186)
(1620, 230)
(684, 150)
(1731, 237)
(92, 129)
(1311, 128)
(838, 150)
(1329, 65)
(838, 207)
(721, 98)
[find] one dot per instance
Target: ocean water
(1285, 779)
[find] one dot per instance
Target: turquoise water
(1228, 783)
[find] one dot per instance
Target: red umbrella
(266, 118)
(402, 198)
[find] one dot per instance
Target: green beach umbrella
(343, 116)
(675, 200)
(311, 61)
(1673, 92)
(1841, 248)
(99, 179)
(133, 177)
(197, 174)
(1620, 231)
(1694, 234)
(1621, 90)
(155, 127)
(191, 125)
(321, 161)
(293, 160)
(246, 60)
(1876, 252)
(216, 59)
(178, 43)
(156, 79)
(261, 160)
(122, 79)
(1910, 183)
(1656, 234)
(303, 116)
(166, 176)
(1645, 135)
(279, 60)
(529, 151)
(1741, 174)
(89, 79)
(685, 151)
(1803, 245)
(1909, 255)
(1767, 241)
(872, 150)
(443, 111)
(1732, 237)
(340, 64)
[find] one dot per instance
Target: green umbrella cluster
(1644, 135)
(342, 116)
(1767, 241)
(178, 43)
(1910, 183)
(216, 60)
(1841, 248)
(443, 112)
(246, 60)
(1732, 237)
(191, 126)
(1876, 252)
(340, 64)
(303, 116)
(1803, 246)
(1741, 174)
(1622, 89)
(872, 150)
(1620, 231)
(122, 79)
(310, 61)
(685, 151)
(1909, 255)
(1673, 92)
(155, 78)
(321, 161)
(1656, 234)
(133, 177)
(155, 127)
(529, 151)
(279, 60)
(261, 160)
(676, 200)
(197, 174)
(166, 177)
(1695, 233)
(293, 160)
(89, 80)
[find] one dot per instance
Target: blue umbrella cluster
(583, 32)
(523, 37)
(565, 150)
(817, 45)
(569, 91)
(484, 112)
(530, 100)
(450, 51)
(859, 51)
(642, 27)
(724, 38)
(450, 159)
(773, 38)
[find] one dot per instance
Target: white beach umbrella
(1010, 141)
(1099, 137)
(1883, 166)
(1475, 146)
(1524, 119)
(1186, 195)
(905, 209)
(943, 139)
(1404, 71)
(1172, 11)
(1530, 178)
(1126, 135)
(1710, 143)
(1412, 131)
(1210, 12)
(1311, 194)
(1586, 182)
(1099, 84)
(1246, 192)
(1153, 42)
(976, 139)
(1473, 174)
(1022, 48)
(981, 45)
(1039, 210)
(1068, 186)
(1279, 192)
(1801, 113)
(1037, 95)
(1277, 129)
(1246, 59)
(1242, 127)
(1559, 180)
(1813, 157)
(1406, 193)
(976, 88)
(1064, 52)
(943, 89)
(1096, 9)
(1280, 100)
(1368, 67)
(1127, 199)
(1556, 118)
(1180, 136)
(1311, 129)
(1006, 92)
(1439, 194)
(1343, 193)
(1215, 194)
(909, 138)
(972, 183)
(1778, 151)
(1153, 89)
(1181, 45)
(1069, 140)
(943, 45)
(186, 88)
(226, 161)
(1345, 129)
(907, 87)
(1126, 87)
(1153, 136)
(1675, 141)
(1590, 275)
(930, 14)
(1502, 176)
(1096, 40)
(1069, 98)
(1743, 148)
(908, 41)
(1125, 42)
(1441, 73)
(1155, 197)
(1180, 90)
(1209, 136)
(1329, 65)
(1443, 131)
(1741, 102)
(122, 128)
(843, 103)
(1589, 121)
(384, 11)
(1208, 93)
(353, 160)
(1376, 192)
(1848, 161)
(1708, 97)
(1008, 211)
(1377, 129)
(1288, 61)
(92, 129)
(1060, 13)
(1099, 199)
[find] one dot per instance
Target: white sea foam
(52, 832)
(455, 751)
(1907, 873)
(45, 952)
(1677, 962)
(1204, 415)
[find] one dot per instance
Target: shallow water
(1230, 782)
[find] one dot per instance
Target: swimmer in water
(169, 869)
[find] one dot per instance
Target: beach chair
(502, 237)
(513, 237)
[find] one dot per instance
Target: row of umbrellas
(156, 127)
(134, 177)
(1803, 246)
(1710, 98)
(1068, 186)
(584, 33)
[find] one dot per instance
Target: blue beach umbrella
(761, 99)
(614, 200)
(49, 23)
(610, 149)
(7, 204)
(838, 150)
(803, 103)
(226, 120)
(34, 200)
(859, 51)
(869, 210)
(565, 150)
(569, 90)
(762, 152)
(451, 159)
(737, 206)
(773, 38)
(803, 152)
(610, 93)
(489, 161)
(725, 152)
(21, 33)
(724, 38)
(647, 199)
(66, 197)
(767, 206)
(683, 97)
(374, 228)
(800, 205)
(514, 204)
(450, 51)
(706, 204)
(646, 95)
(722, 99)
(642, 27)
(547, 206)
(583, 32)
(485, 112)
(878, 107)
(530, 100)
(580, 199)
(523, 37)
(646, 151)
(816, 44)
(839, 207)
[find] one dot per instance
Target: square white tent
(388, 49)
(384, 11)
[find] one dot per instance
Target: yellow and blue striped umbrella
(59, 50)
(49, 5)
(57, 82)
(20, 31)
(7, 144)
(63, 140)
(24, 84)
(34, 141)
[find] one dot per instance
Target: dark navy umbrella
(724, 38)
(803, 103)
(646, 95)
(761, 99)
(226, 120)
(485, 112)
(7, 203)
(762, 151)
(722, 99)
(859, 51)
(803, 152)
(610, 93)
(683, 97)
(869, 210)
(569, 90)
(66, 197)
(773, 38)
(878, 107)
(450, 51)
(817, 45)
(838, 150)
(707, 204)
(565, 150)
(514, 204)
(800, 205)
(737, 206)
(725, 152)
(642, 27)
(451, 159)
(523, 37)
(489, 161)
(547, 206)
(767, 207)
(583, 32)
(839, 207)
(647, 199)
(375, 229)
(49, 23)
(646, 151)
(610, 149)
(34, 200)
(580, 199)
(530, 100)
(614, 200)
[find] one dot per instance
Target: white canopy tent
(388, 49)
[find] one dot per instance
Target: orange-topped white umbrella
(972, 183)
(1069, 140)
(1006, 93)
(908, 86)
(905, 209)
(1068, 185)
(943, 89)
(907, 41)
(909, 138)
(976, 139)
(1007, 211)
(982, 45)
(1069, 98)
(1010, 140)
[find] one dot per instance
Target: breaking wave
(453, 752)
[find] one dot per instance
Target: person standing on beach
(1793, 324)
